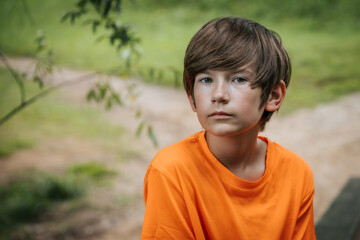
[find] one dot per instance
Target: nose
(220, 93)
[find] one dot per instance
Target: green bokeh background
(322, 38)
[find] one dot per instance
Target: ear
(276, 97)
(192, 102)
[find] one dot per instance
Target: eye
(239, 80)
(206, 80)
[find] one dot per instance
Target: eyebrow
(239, 71)
(242, 71)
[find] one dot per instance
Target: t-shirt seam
(168, 176)
(261, 182)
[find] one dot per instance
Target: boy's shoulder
(180, 153)
(184, 145)
(287, 156)
(287, 162)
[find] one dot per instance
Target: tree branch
(15, 76)
(43, 94)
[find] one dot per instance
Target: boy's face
(225, 103)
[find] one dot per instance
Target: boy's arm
(166, 215)
(305, 229)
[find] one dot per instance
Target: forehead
(242, 70)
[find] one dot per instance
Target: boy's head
(233, 43)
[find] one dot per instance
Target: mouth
(220, 115)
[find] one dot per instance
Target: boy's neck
(244, 154)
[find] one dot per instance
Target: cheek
(250, 102)
(200, 98)
(201, 107)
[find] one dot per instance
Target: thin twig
(43, 94)
(15, 76)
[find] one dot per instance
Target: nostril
(220, 97)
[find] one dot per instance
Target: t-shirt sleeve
(166, 215)
(305, 229)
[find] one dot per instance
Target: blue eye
(206, 80)
(239, 79)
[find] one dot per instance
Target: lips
(220, 115)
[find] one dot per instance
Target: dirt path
(327, 137)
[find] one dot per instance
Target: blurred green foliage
(322, 38)
(13, 144)
(92, 170)
(319, 10)
(52, 118)
(27, 198)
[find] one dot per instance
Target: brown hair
(232, 43)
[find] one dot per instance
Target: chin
(223, 132)
(231, 132)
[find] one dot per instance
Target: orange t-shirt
(189, 194)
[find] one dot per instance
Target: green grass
(27, 198)
(33, 194)
(91, 170)
(323, 67)
(13, 144)
(322, 38)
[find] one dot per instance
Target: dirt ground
(327, 137)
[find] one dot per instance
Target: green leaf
(95, 25)
(116, 98)
(109, 103)
(118, 6)
(66, 16)
(107, 8)
(82, 3)
(51, 55)
(112, 39)
(138, 114)
(152, 136)
(103, 91)
(48, 67)
(140, 129)
(39, 81)
(72, 18)
(91, 95)
(96, 4)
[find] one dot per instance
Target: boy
(226, 182)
